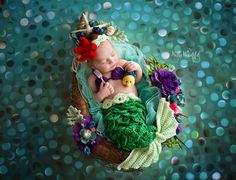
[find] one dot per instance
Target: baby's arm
(105, 89)
(133, 66)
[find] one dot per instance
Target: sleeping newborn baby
(113, 70)
(123, 112)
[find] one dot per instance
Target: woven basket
(106, 150)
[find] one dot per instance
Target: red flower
(86, 49)
(175, 108)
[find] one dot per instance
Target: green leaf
(119, 36)
(154, 64)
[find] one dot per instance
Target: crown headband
(87, 27)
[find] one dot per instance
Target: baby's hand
(131, 66)
(105, 90)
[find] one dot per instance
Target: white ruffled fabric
(118, 99)
(166, 128)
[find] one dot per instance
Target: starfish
(88, 28)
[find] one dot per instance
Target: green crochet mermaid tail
(125, 125)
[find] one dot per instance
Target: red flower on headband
(86, 49)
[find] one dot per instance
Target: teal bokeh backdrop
(197, 37)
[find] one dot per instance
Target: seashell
(110, 30)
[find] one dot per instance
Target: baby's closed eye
(104, 62)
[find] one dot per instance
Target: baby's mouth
(113, 67)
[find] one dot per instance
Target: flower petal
(84, 141)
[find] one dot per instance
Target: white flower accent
(100, 39)
(107, 103)
(120, 98)
(87, 134)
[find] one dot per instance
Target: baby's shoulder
(91, 78)
(91, 82)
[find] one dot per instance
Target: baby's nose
(110, 60)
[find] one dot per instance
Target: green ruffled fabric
(125, 125)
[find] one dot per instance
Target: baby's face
(106, 58)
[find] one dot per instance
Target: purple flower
(87, 120)
(179, 128)
(166, 81)
(85, 135)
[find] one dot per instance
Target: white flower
(120, 98)
(107, 103)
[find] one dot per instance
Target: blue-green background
(197, 37)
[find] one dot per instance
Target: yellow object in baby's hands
(129, 79)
